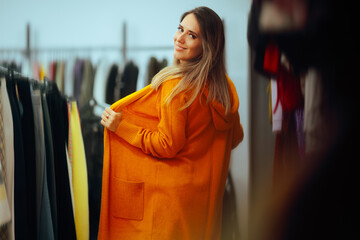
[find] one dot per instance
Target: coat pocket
(127, 199)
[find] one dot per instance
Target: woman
(167, 146)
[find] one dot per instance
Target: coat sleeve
(170, 136)
(238, 132)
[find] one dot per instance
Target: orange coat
(165, 170)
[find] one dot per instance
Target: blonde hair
(206, 70)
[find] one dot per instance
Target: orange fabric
(165, 170)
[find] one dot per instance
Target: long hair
(206, 70)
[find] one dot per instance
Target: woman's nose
(180, 38)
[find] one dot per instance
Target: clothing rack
(45, 84)
(39, 135)
(28, 51)
(16, 75)
(4, 71)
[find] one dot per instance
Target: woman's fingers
(110, 119)
(108, 112)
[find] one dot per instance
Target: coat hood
(221, 120)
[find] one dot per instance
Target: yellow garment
(42, 72)
(79, 174)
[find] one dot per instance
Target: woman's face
(187, 39)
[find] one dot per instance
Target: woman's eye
(180, 29)
(192, 36)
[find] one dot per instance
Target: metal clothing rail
(16, 75)
(28, 51)
(86, 49)
(5, 71)
(45, 84)
(80, 50)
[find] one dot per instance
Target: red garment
(52, 71)
(289, 90)
(271, 59)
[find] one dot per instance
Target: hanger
(92, 105)
(93, 109)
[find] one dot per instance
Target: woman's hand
(110, 119)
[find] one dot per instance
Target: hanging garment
(65, 215)
(52, 71)
(273, 19)
(316, 122)
(129, 79)
(93, 134)
(78, 77)
(299, 119)
(271, 58)
(87, 85)
(9, 154)
(39, 148)
(42, 72)
(44, 218)
(69, 77)
(20, 184)
(36, 71)
(155, 185)
(65, 113)
(59, 76)
(151, 70)
(110, 84)
(283, 15)
(257, 41)
(5, 215)
(287, 161)
(289, 90)
(27, 125)
(277, 111)
(69, 154)
(5, 210)
(79, 175)
(50, 171)
(154, 66)
(46, 225)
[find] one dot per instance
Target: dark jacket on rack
(129, 79)
(49, 165)
(110, 84)
(27, 123)
(65, 215)
(93, 134)
(87, 84)
(154, 67)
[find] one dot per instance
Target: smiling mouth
(179, 48)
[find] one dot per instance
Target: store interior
(293, 64)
